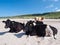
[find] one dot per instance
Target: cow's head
(7, 23)
(29, 25)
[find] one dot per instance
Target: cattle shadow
(19, 35)
(2, 33)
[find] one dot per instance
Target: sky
(21, 7)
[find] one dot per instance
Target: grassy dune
(49, 15)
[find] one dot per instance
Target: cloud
(50, 6)
(56, 0)
(52, 0)
(58, 10)
(44, 0)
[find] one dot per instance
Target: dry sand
(20, 38)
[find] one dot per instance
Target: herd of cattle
(31, 28)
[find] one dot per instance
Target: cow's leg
(12, 30)
(55, 31)
(27, 33)
(54, 37)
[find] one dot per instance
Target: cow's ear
(3, 21)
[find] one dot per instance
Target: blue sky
(21, 7)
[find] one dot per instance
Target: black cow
(30, 28)
(38, 30)
(14, 26)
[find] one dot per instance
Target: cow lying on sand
(40, 30)
(14, 26)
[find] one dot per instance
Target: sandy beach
(20, 39)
